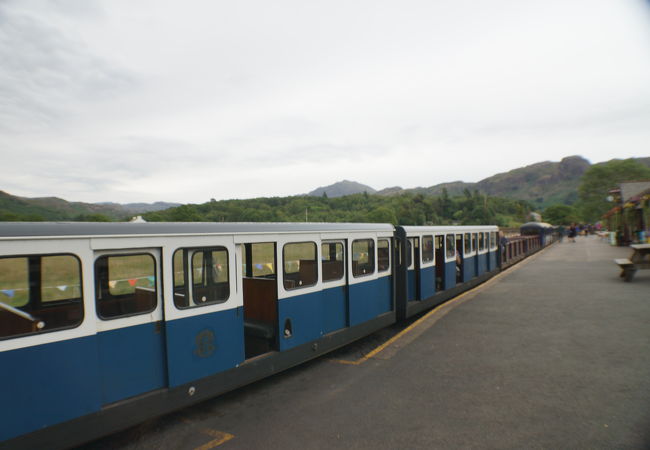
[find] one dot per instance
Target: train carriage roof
(69, 229)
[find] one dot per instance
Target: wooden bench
(628, 268)
(640, 260)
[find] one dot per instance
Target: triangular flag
(151, 280)
(111, 284)
(9, 292)
(133, 281)
(62, 287)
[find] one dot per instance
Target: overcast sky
(185, 101)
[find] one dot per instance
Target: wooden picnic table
(639, 260)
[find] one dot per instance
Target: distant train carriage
(543, 230)
(435, 263)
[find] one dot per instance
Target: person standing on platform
(573, 231)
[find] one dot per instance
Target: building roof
(633, 188)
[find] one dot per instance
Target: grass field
(60, 279)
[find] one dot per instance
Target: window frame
(49, 303)
(97, 280)
(390, 257)
(448, 256)
(493, 240)
(343, 261)
(188, 275)
(482, 248)
(374, 263)
(432, 260)
(316, 266)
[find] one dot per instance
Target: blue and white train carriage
(106, 325)
(439, 262)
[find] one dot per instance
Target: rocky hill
(342, 188)
(541, 184)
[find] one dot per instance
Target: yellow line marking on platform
(444, 308)
(220, 437)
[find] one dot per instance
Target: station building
(629, 218)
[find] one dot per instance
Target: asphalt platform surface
(554, 353)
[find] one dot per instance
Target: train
(106, 325)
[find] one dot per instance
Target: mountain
(53, 208)
(135, 208)
(541, 184)
(342, 188)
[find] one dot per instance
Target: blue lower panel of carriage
(411, 289)
(370, 299)
(335, 309)
(427, 282)
(47, 384)
(131, 361)
(492, 260)
(203, 345)
(305, 314)
(482, 263)
(469, 268)
(450, 275)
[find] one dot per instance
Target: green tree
(92, 217)
(599, 179)
(382, 214)
(560, 215)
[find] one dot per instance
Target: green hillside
(13, 208)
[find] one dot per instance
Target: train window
(363, 257)
(481, 241)
(427, 249)
(262, 260)
(332, 261)
(383, 255)
(468, 243)
(209, 283)
(300, 268)
(493, 239)
(39, 293)
(473, 241)
(410, 250)
(450, 246)
(125, 285)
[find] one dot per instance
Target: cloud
(45, 76)
(152, 100)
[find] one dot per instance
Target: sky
(148, 100)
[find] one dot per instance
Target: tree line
(593, 191)
(404, 209)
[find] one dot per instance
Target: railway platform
(550, 354)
